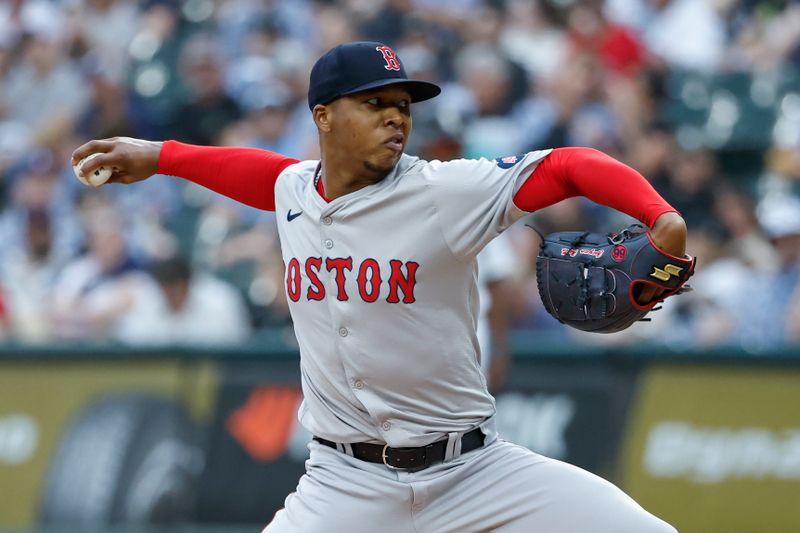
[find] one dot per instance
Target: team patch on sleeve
(509, 160)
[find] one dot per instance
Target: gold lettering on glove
(668, 271)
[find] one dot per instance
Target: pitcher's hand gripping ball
(98, 177)
(590, 280)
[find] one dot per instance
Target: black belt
(411, 459)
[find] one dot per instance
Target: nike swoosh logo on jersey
(290, 216)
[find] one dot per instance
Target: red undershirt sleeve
(247, 175)
(568, 172)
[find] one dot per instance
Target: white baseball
(98, 177)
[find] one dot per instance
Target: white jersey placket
(345, 338)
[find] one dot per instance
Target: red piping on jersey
(321, 190)
(568, 172)
(247, 175)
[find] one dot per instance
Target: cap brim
(419, 90)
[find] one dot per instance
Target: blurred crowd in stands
(701, 96)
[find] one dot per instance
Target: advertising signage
(716, 448)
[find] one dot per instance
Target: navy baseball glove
(590, 281)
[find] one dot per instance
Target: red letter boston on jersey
(402, 279)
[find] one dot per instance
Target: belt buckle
(414, 468)
(384, 456)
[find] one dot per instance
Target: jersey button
(328, 244)
(358, 384)
(343, 332)
(327, 221)
(386, 426)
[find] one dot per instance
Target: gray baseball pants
(500, 487)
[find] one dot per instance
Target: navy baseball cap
(358, 66)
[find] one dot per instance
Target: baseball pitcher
(380, 249)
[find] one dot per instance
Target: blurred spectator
(767, 37)
(43, 92)
(616, 47)
(97, 288)
(770, 301)
(691, 176)
(650, 152)
(269, 126)
(209, 109)
(488, 80)
(107, 113)
(28, 275)
(570, 90)
(34, 184)
(688, 34)
(744, 238)
(186, 308)
(530, 38)
(102, 31)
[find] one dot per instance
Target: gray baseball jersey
(382, 290)
(382, 285)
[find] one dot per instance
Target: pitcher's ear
(322, 117)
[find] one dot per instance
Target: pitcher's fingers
(117, 177)
(648, 294)
(108, 159)
(91, 147)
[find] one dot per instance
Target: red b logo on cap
(388, 55)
